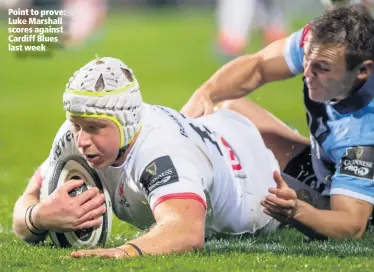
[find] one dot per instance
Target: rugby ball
(75, 167)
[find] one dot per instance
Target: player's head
(339, 52)
(103, 101)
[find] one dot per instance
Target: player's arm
(21, 218)
(347, 218)
(238, 78)
(351, 197)
(173, 185)
(179, 228)
(247, 73)
(175, 192)
(279, 60)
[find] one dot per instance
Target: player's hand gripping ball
(75, 167)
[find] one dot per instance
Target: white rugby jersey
(219, 160)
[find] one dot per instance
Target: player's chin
(99, 162)
(317, 95)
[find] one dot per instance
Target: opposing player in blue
(335, 52)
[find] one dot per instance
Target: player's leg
(283, 141)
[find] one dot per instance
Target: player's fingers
(112, 254)
(89, 224)
(185, 110)
(283, 193)
(287, 204)
(85, 253)
(76, 254)
(279, 180)
(92, 214)
(92, 204)
(86, 195)
(71, 185)
(193, 108)
(101, 252)
(208, 106)
(274, 209)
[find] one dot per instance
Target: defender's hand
(282, 204)
(61, 213)
(198, 105)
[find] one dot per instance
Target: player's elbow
(354, 230)
(358, 229)
(18, 225)
(16, 229)
(194, 237)
(195, 241)
(18, 222)
(20, 231)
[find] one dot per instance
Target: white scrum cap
(106, 88)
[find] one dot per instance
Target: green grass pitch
(171, 54)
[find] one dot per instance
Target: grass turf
(171, 54)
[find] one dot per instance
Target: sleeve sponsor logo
(152, 169)
(158, 173)
(61, 144)
(160, 180)
(358, 161)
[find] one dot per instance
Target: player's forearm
(170, 237)
(234, 80)
(335, 224)
(247, 73)
(20, 219)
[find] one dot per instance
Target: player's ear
(365, 69)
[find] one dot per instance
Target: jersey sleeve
(294, 52)
(175, 175)
(354, 176)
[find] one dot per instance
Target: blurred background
(173, 46)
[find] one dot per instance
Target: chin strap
(123, 149)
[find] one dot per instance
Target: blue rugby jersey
(341, 133)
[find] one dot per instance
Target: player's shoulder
(164, 133)
(355, 173)
(63, 143)
(352, 127)
(163, 125)
(156, 144)
(164, 147)
(300, 36)
(65, 130)
(294, 49)
(354, 148)
(160, 115)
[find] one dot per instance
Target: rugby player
(185, 179)
(335, 52)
